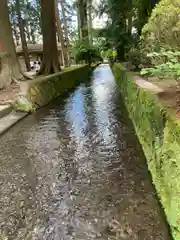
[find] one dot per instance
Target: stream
(76, 170)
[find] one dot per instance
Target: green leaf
(144, 71)
(174, 60)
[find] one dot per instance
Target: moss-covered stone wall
(159, 134)
(45, 89)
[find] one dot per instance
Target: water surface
(75, 170)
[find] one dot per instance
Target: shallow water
(75, 170)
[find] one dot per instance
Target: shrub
(135, 53)
(83, 51)
(166, 63)
(163, 27)
(110, 54)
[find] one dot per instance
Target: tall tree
(50, 63)
(76, 7)
(37, 14)
(144, 10)
(90, 20)
(117, 11)
(79, 22)
(67, 12)
(130, 16)
(14, 21)
(9, 66)
(30, 11)
(60, 35)
(123, 15)
(23, 37)
(82, 8)
(65, 23)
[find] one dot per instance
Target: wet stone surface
(75, 170)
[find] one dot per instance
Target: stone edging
(158, 132)
(40, 92)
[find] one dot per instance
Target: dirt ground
(168, 90)
(8, 94)
(170, 97)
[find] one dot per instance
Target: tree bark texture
(60, 35)
(16, 35)
(90, 21)
(79, 22)
(33, 35)
(38, 6)
(130, 17)
(28, 34)
(23, 37)
(50, 63)
(65, 23)
(82, 5)
(10, 68)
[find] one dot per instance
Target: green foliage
(110, 54)
(83, 51)
(166, 63)
(159, 36)
(69, 12)
(22, 104)
(134, 56)
(123, 15)
(101, 43)
(115, 31)
(30, 11)
(163, 27)
(31, 14)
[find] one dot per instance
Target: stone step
(9, 120)
(5, 110)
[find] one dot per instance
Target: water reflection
(75, 114)
(104, 92)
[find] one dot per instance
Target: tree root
(27, 77)
(49, 68)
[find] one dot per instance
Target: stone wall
(45, 89)
(40, 91)
(159, 134)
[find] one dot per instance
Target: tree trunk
(65, 28)
(5, 71)
(90, 21)
(82, 5)
(145, 12)
(33, 35)
(39, 15)
(28, 34)
(130, 16)
(121, 53)
(50, 63)
(130, 23)
(10, 68)
(23, 37)
(16, 35)
(78, 22)
(122, 42)
(60, 35)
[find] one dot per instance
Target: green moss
(23, 104)
(47, 88)
(158, 133)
